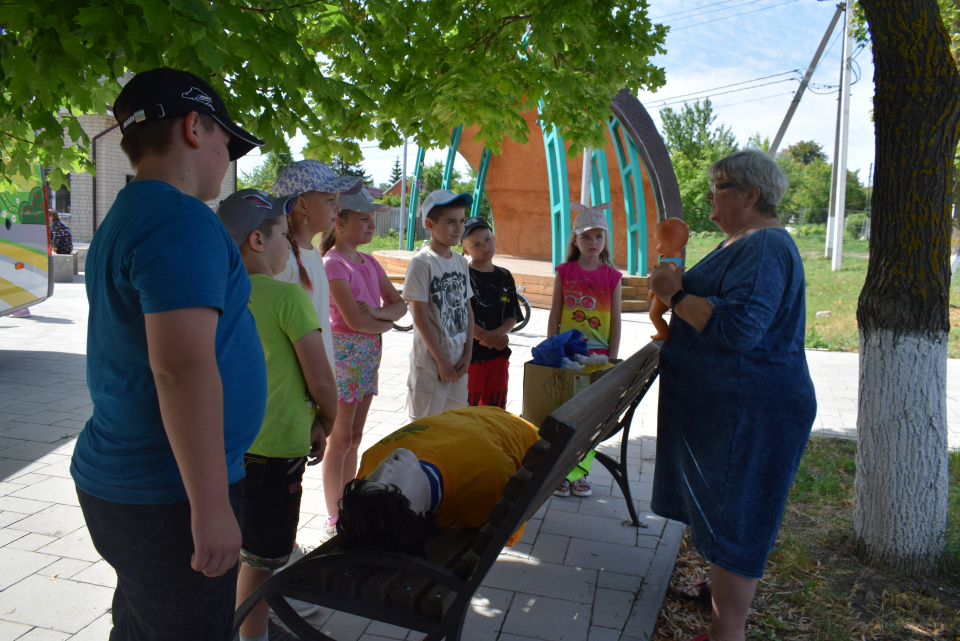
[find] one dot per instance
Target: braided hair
(305, 281)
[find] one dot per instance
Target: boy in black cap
(495, 311)
(174, 367)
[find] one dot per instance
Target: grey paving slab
(552, 619)
(54, 604)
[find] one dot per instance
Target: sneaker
(582, 487)
(303, 608)
(299, 551)
(563, 490)
(329, 528)
(21, 313)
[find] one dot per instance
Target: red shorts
(487, 382)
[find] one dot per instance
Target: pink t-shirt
(363, 278)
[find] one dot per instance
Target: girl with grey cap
(364, 304)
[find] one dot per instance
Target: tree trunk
(900, 503)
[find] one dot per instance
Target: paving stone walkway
(578, 574)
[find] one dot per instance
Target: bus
(26, 264)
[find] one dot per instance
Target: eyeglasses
(714, 188)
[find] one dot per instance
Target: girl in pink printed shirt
(586, 296)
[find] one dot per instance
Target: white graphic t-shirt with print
(445, 284)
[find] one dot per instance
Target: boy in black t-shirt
(495, 312)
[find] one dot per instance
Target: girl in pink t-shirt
(363, 305)
(587, 296)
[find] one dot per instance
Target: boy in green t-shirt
(301, 395)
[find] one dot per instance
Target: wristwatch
(677, 297)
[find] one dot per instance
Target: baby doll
(671, 235)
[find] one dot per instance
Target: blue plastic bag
(551, 352)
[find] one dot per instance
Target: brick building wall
(113, 172)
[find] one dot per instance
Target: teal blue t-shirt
(159, 250)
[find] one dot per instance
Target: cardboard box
(547, 388)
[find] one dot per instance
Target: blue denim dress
(736, 402)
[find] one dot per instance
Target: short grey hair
(753, 168)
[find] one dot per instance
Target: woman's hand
(664, 280)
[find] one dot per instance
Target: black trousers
(159, 597)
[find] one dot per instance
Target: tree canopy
(338, 73)
(694, 143)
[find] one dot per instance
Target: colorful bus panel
(26, 267)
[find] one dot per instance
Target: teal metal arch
(628, 159)
(451, 157)
(414, 195)
(481, 181)
(559, 192)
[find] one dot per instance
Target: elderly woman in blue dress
(736, 399)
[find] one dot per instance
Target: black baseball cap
(165, 93)
(242, 211)
(472, 223)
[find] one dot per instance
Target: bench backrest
(567, 434)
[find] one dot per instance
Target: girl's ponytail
(304, 276)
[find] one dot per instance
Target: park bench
(432, 593)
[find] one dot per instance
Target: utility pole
(840, 163)
(803, 84)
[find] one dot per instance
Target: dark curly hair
(381, 519)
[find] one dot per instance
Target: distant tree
(756, 142)
(809, 190)
(396, 173)
(343, 167)
(433, 177)
(265, 174)
(805, 152)
(694, 143)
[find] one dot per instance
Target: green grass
(834, 292)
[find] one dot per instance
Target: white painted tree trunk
(900, 508)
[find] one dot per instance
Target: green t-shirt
(284, 314)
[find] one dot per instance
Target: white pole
(844, 130)
(586, 176)
(403, 195)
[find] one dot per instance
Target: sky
(748, 57)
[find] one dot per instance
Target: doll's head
(671, 235)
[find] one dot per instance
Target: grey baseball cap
(362, 202)
(243, 211)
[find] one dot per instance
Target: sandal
(582, 487)
(698, 593)
(563, 490)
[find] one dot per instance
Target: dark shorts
(272, 490)
(159, 597)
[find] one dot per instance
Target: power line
(703, 6)
(735, 84)
(723, 93)
(732, 16)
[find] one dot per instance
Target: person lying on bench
(441, 471)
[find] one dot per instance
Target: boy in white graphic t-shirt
(438, 289)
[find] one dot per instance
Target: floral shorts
(358, 361)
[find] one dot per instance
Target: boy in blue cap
(437, 286)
